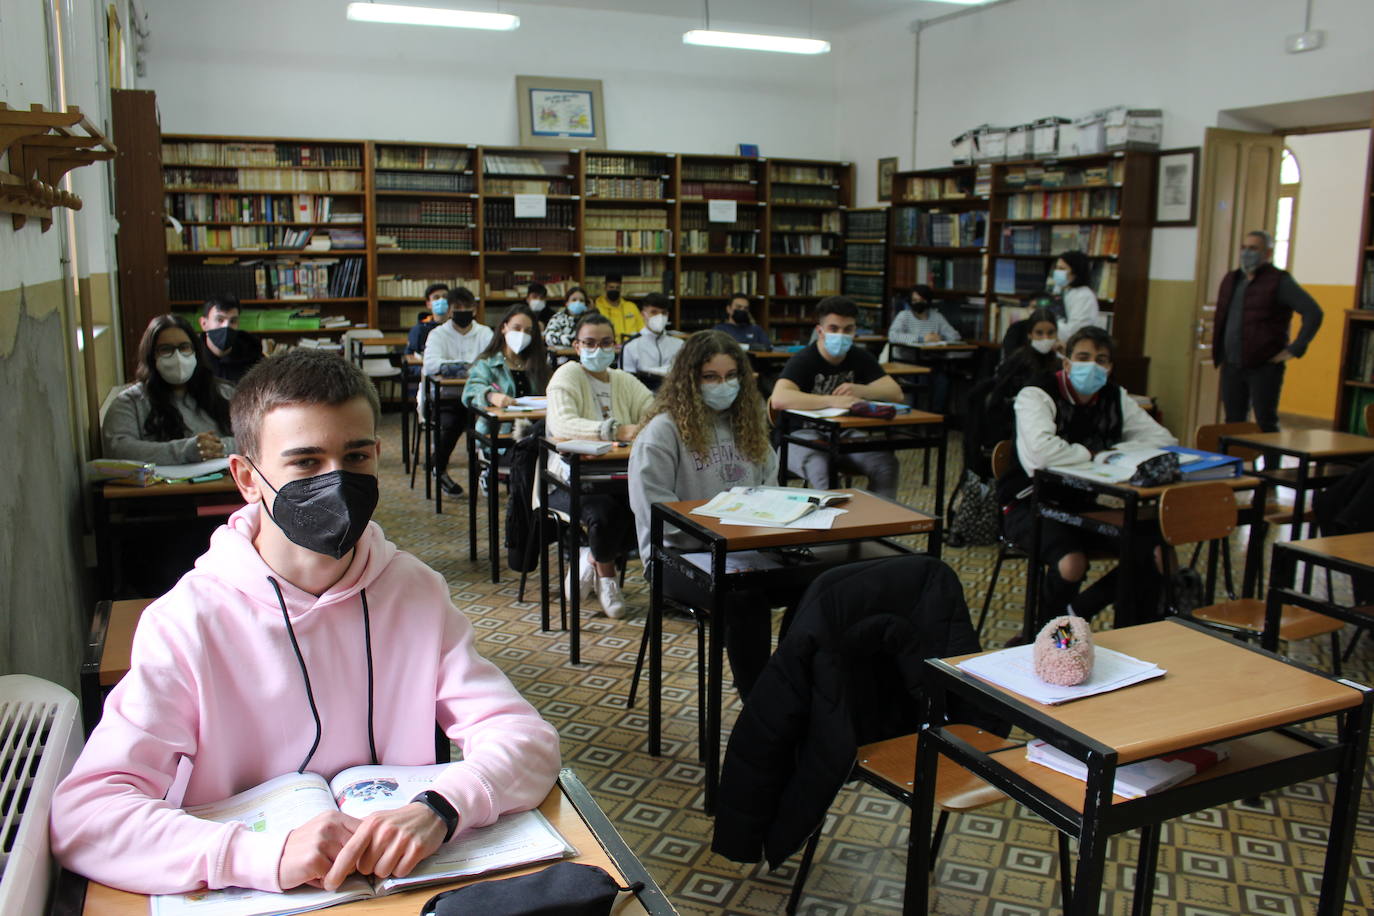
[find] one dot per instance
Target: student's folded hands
(312, 848)
(387, 843)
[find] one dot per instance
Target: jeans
(1258, 388)
(813, 465)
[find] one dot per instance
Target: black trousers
(609, 521)
(453, 419)
(1258, 388)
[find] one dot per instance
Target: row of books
(864, 224)
(234, 152)
(868, 289)
(528, 239)
(937, 229)
(516, 283)
(633, 286)
(236, 238)
(558, 214)
(1105, 276)
(719, 190)
(1095, 240)
(722, 171)
(427, 212)
(1038, 176)
(650, 241)
(626, 188)
(263, 179)
(807, 222)
(719, 282)
(433, 238)
(746, 218)
(1018, 277)
(949, 187)
(824, 281)
(440, 182)
(1098, 203)
(818, 244)
(554, 187)
(965, 274)
(703, 241)
(625, 219)
(865, 257)
(259, 208)
(421, 158)
(507, 164)
(598, 164)
(1361, 362)
(805, 174)
(807, 197)
(269, 279)
(399, 285)
(1367, 284)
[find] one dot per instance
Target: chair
(1207, 513)
(376, 362)
(890, 767)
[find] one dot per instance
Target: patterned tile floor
(999, 860)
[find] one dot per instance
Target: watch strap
(440, 806)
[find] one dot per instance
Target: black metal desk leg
(785, 427)
(916, 899)
(715, 675)
(472, 494)
(493, 503)
(1145, 870)
(1283, 569)
(940, 458)
(1345, 808)
(655, 625)
(429, 433)
(544, 521)
(1125, 598)
(832, 444)
(575, 560)
(1035, 571)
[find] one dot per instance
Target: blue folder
(1208, 466)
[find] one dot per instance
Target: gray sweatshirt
(662, 470)
(123, 430)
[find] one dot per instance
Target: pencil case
(1063, 652)
(869, 409)
(122, 471)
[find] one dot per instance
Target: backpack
(974, 514)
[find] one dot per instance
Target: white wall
(273, 68)
(1327, 243)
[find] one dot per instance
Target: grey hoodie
(662, 470)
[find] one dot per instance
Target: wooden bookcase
(865, 265)
(1356, 383)
(717, 259)
(804, 232)
(628, 221)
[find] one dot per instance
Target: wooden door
(1238, 193)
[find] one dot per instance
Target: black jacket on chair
(848, 672)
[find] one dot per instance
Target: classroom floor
(998, 860)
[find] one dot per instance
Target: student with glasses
(176, 412)
(590, 400)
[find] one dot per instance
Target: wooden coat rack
(42, 147)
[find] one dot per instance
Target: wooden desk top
(905, 369)
(1312, 443)
(386, 340)
(910, 418)
(770, 354)
(868, 516)
(1215, 689)
(106, 901)
(119, 639)
(223, 485)
(506, 416)
(447, 382)
(1352, 548)
(617, 452)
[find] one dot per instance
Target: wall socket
(1304, 41)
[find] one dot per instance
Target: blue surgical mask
(598, 360)
(1061, 278)
(837, 345)
(1249, 259)
(439, 308)
(577, 306)
(1087, 378)
(720, 395)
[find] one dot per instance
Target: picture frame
(887, 168)
(560, 113)
(1176, 187)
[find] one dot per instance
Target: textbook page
(514, 840)
(187, 471)
(277, 806)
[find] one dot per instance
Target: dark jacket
(848, 672)
(1266, 319)
(522, 518)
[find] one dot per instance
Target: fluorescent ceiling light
(428, 15)
(748, 42)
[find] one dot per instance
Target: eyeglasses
(164, 350)
(605, 343)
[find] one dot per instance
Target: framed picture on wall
(886, 169)
(1176, 187)
(560, 113)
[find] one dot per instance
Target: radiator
(40, 738)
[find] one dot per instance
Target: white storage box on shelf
(1018, 142)
(1134, 128)
(40, 738)
(1045, 135)
(963, 147)
(991, 145)
(1090, 135)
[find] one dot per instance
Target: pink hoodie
(214, 680)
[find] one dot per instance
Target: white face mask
(536, 305)
(177, 368)
(517, 341)
(657, 323)
(1043, 344)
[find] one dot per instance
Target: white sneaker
(586, 575)
(608, 592)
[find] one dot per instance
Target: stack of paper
(586, 446)
(774, 507)
(822, 413)
(188, 471)
(1136, 779)
(533, 402)
(1014, 669)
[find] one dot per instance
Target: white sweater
(446, 345)
(1039, 446)
(1080, 309)
(573, 411)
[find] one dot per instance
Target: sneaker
(586, 575)
(608, 592)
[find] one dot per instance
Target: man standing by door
(1250, 339)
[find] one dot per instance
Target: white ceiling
(781, 16)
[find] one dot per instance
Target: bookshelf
(628, 221)
(1356, 380)
(865, 264)
(717, 258)
(517, 251)
(804, 231)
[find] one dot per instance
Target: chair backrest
(1369, 419)
(1003, 454)
(1201, 512)
(1208, 438)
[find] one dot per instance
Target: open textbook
(772, 507)
(282, 804)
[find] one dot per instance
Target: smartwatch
(440, 806)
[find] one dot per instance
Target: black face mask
(222, 338)
(613, 295)
(462, 319)
(327, 513)
(740, 316)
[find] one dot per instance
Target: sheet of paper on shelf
(1014, 669)
(815, 520)
(822, 413)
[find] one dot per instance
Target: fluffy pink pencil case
(1064, 652)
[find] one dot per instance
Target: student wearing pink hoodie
(303, 639)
